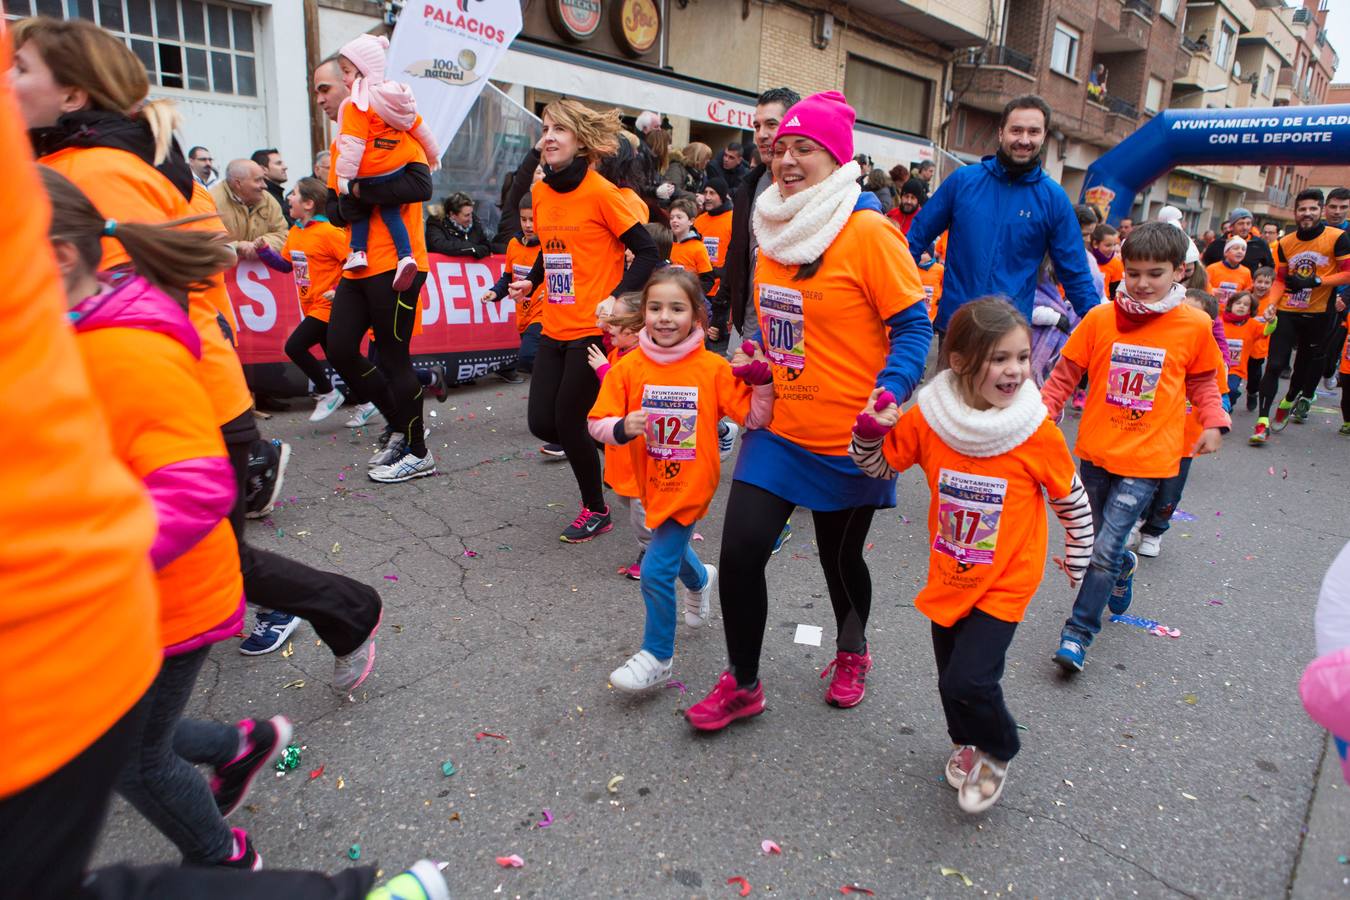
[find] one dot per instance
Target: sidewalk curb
(1317, 874)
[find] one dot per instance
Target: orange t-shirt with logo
(583, 257)
(387, 148)
(316, 252)
(619, 459)
(1113, 272)
(826, 335)
(1322, 256)
(1225, 282)
(716, 234)
(1190, 435)
(986, 518)
(79, 622)
(637, 205)
(1241, 341)
(520, 260)
(1135, 411)
(692, 254)
(158, 413)
(931, 279)
(125, 188)
(676, 464)
(202, 203)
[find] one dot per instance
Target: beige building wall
(710, 40)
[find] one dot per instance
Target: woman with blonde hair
(696, 159)
(584, 225)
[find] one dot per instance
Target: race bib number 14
(969, 510)
(780, 319)
(558, 275)
(1132, 382)
(672, 421)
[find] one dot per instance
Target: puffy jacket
(1000, 230)
(444, 236)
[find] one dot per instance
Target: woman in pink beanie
(840, 305)
(1325, 687)
(380, 133)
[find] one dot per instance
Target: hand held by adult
(878, 417)
(749, 365)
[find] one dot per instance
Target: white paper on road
(808, 634)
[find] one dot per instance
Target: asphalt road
(1172, 766)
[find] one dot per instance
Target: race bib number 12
(558, 275)
(969, 510)
(672, 421)
(1132, 382)
(780, 319)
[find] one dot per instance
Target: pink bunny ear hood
(367, 54)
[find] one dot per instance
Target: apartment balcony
(1272, 203)
(996, 55)
(987, 78)
(951, 23)
(1123, 26)
(1181, 63)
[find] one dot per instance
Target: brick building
(1328, 177)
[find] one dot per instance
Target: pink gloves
(755, 372)
(866, 426)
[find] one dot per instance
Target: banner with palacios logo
(445, 50)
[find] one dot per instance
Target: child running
(379, 133)
(1145, 354)
(313, 254)
(1105, 247)
(1263, 304)
(988, 452)
(141, 352)
(623, 322)
(1241, 331)
(663, 401)
(521, 253)
(1229, 275)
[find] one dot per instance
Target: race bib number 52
(1132, 382)
(558, 275)
(780, 319)
(969, 510)
(300, 270)
(672, 421)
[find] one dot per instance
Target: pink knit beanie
(825, 118)
(367, 53)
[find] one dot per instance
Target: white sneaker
(983, 785)
(350, 670)
(698, 604)
(641, 671)
(362, 414)
(357, 260)
(392, 448)
(727, 442)
(1331, 382)
(328, 404)
(1150, 545)
(1133, 540)
(406, 468)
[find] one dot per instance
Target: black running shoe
(263, 742)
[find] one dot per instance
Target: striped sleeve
(1076, 516)
(867, 456)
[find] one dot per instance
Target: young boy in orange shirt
(1145, 355)
(687, 249)
(1229, 275)
(521, 253)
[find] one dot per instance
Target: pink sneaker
(725, 704)
(405, 273)
(245, 855)
(847, 687)
(635, 570)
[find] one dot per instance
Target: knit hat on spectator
(825, 118)
(367, 54)
(718, 184)
(916, 187)
(392, 101)
(1236, 214)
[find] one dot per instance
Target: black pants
(753, 521)
(1303, 335)
(1345, 398)
(413, 185)
(364, 303)
(1254, 369)
(174, 882)
(342, 610)
(563, 389)
(311, 332)
(970, 656)
(1335, 341)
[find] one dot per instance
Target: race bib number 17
(558, 275)
(780, 319)
(969, 510)
(1132, 382)
(672, 421)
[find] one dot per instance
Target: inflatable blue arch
(1281, 135)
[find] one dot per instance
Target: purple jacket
(1047, 340)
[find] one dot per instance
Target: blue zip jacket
(1000, 230)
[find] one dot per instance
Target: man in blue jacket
(1002, 217)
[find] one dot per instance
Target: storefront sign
(576, 20)
(637, 25)
(733, 115)
(1179, 186)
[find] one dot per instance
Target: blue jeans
(1234, 389)
(1165, 502)
(390, 215)
(668, 556)
(1117, 503)
(529, 346)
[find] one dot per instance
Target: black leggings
(1305, 333)
(753, 521)
(563, 389)
(311, 332)
(362, 303)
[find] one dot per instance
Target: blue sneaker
(783, 537)
(1069, 656)
(1123, 592)
(270, 633)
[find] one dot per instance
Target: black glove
(1063, 324)
(1301, 283)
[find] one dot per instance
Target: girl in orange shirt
(1241, 330)
(662, 403)
(1262, 281)
(141, 350)
(313, 255)
(1105, 247)
(990, 455)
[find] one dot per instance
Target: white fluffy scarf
(796, 230)
(980, 432)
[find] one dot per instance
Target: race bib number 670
(558, 276)
(781, 321)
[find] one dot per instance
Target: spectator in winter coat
(879, 184)
(458, 232)
(1239, 224)
(913, 196)
(734, 166)
(247, 209)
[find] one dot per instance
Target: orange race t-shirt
(79, 623)
(986, 518)
(202, 203)
(1135, 411)
(1345, 358)
(316, 252)
(637, 205)
(716, 234)
(1241, 340)
(931, 279)
(158, 414)
(520, 260)
(826, 335)
(125, 188)
(940, 247)
(1265, 309)
(583, 257)
(1190, 435)
(387, 148)
(619, 459)
(692, 254)
(1322, 256)
(1225, 282)
(676, 463)
(1113, 272)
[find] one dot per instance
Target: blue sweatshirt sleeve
(910, 334)
(1066, 252)
(934, 218)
